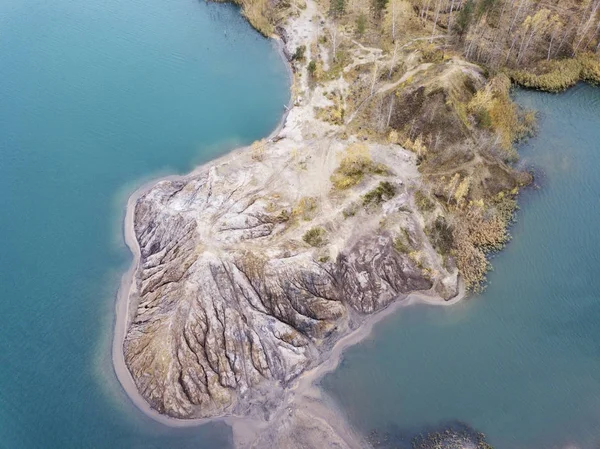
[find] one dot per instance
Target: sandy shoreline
(304, 384)
(121, 320)
(304, 393)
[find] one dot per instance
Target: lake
(520, 362)
(96, 98)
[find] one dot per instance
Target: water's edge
(304, 384)
(121, 318)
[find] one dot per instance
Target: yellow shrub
(355, 164)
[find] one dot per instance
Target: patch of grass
(383, 192)
(480, 229)
(315, 237)
(333, 114)
(324, 259)
(341, 60)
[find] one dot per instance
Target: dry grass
(558, 75)
(551, 76)
(306, 209)
(355, 164)
(495, 110)
(260, 15)
(258, 150)
(423, 202)
(479, 230)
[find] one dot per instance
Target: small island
(392, 176)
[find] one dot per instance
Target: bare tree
(593, 10)
(333, 33)
(437, 14)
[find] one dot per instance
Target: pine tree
(464, 17)
(337, 7)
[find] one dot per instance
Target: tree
(379, 7)
(398, 14)
(555, 27)
(464, 17)
(594, 6)
(533, 26)
(337, 7)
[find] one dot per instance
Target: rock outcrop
(229, 299)
(254, 266)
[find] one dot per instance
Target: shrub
(361, 24)
(480, 230)
(402, 246)
(312, 68)
(258, 150)
(299, 53)
(383, 192)
(306, 208)
(551, 76)
(354, 166)
(423, 202)
(350, 210)
(315, 237)
(440, 235)
(494, 110)
(464, 17)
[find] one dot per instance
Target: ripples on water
(520, 362)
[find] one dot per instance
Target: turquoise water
(521, 362)
(96, 97)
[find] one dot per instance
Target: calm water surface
(94, 98)
(520, 362)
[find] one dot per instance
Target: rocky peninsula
(390, 178)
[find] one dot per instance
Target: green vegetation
(337, 7)
(350, 210)
(464, 17)
(361, 24)
(402, 243)
(383, 192)
(335, 113)
(379, 7)
(315, 237)
(299, 53)
(494, 110)
(312, 68)
(441, 236)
